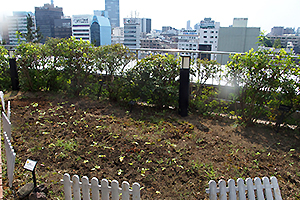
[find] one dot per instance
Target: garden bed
(170, 156)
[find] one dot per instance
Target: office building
(145, 25)
(132, 32)
(237, 39)
(62, 28)
(45, 17)
(134, 29)
(208, 36)
(113, 9)
(81, 27)
(18, 22)
(92, 28)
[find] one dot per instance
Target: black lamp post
(13, 71)
(184, 86)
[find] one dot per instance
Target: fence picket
(85, 188)
(268, 190)
(276, 190)
(104, 190)
(10, 159)
(212, 190)
(8, 110)
(259, 189)
(67, 187)
(76, 187)
(136, 191)
(2, 100)
(222, 186)
(125, 190)
(241, 186)
(250, 188)
(232, 189)
(6, 125)
(95, 188)
(115, 190)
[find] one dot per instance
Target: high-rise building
(18, 22)
(132, 32)
(113, 9)
(145, 25)
(45, 17)
(188, 25)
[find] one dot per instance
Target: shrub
(153, 80)
(266, 80)
(5, 82)
(32, 60)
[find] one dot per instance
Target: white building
(188, 39)
(117, 36)
(209, 35)
(81, 27)
(18, 22)
(132, 32)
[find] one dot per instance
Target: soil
(171, 157)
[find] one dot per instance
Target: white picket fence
(10, 153)
(10, 159)
(94, 188)
(263, 191)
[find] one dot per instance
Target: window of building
(212, 32)
(205, 42)
(211, 42)
(205, 31)
(216, 37)
(204, 36)
(211, 36)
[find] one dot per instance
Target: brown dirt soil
(170, 156)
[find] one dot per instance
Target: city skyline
(264, 14)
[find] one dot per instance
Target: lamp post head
(185, 62)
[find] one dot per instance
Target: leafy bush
(5, 82)
(32, 60)
(76, 61)
(266, 80)
(112, 59)
(153, 80)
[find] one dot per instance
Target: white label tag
(30, 164)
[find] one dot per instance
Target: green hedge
(265, 79)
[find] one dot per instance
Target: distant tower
(113, 9)
(188, 25)
(52, 3)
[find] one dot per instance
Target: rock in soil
(25, 190)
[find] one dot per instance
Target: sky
(260, 13)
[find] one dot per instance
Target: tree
(277, 44)
(32, 35)
(263, 40)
